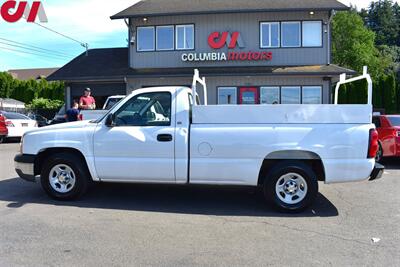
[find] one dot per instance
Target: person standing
(72, 114)
(87, 101)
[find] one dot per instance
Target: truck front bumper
(24, 166)
(377, 172)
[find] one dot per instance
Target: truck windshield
(394, 121)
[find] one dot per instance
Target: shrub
(44, 103)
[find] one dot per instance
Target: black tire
(2, 139)
(379, 154)
(277, 173)
(82, 176)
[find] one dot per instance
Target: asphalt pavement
(355, 224)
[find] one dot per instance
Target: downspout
(333, 13)
(128, 24)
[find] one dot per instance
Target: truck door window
(149, 109)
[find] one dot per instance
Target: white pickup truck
(161, 135)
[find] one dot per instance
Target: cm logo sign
(12, 11)
(218, 40)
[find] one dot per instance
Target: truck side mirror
(110, 120)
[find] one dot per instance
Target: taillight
(396, 133)
(373, 144)
(9, 124)
(80, 117)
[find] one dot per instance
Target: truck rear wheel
(291, 186)
(64, 176)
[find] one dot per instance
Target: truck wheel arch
(45, 153)
(310, 158)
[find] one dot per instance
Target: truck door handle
(164, 138)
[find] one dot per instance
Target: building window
(270, 95)
(291, 95)
(312, 33)
(269, 34)
(164, 38)
(291, 34)
(312, 95)
(184, 37)
(227, 95)
(145, 39)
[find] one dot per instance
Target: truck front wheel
(64, 176)
(291, 186)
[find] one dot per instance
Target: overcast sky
(85, 20)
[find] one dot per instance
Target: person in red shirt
(87, 101)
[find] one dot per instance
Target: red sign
(22, 9)
(248, 96)
(218, 40)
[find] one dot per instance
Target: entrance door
(248, 96)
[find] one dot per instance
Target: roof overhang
(131, 16)
(325, 71)
(153, 8)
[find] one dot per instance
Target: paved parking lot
(138, 225)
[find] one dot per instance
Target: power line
(36, 50)
(35, 47)
(25, 52)
(85, 45)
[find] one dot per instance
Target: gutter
(117, 16)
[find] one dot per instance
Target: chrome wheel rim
(291, 188)
(62, 178)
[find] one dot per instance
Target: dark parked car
(59, 117)
(42, 121)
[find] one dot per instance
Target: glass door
(248, 96)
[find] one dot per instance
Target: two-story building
(251, 52)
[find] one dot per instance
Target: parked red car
(3, 128)
(388, 127)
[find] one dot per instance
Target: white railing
(202, 81)
(344, 81)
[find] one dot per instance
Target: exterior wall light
(145, 19)
(312, 13)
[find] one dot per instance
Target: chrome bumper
(24, 166)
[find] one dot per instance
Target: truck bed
(282, 114)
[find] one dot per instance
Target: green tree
(353, 45)
(343, 94)
(398, 96)
(390, 94)
(377, 94)
(383, 21)
(357, 92)
(6, 85)
(393, 53)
